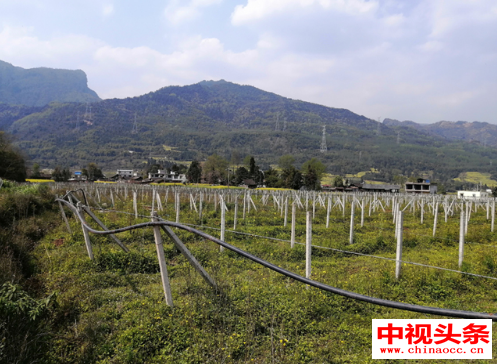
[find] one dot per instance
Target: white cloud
(455, 98)
(269, 41)
(423, 60)
(259, 9)
(107, 9)
(178, 13)
(432, 46)
(395, 20)
(19, 46)
(148, 69)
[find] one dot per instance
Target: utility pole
(324, 148)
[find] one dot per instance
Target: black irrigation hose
(310, 282)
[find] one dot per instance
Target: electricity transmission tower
(398, 137)
(324, 148)
(135, 127)
(77, 123)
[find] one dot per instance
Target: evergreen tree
(311, 180)
(194, 173)
(94, 172)
(297, 181)
(241, 174)
(253, 168)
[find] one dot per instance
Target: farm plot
(256, 313)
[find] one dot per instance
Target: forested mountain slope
(192, 122)
(473, 132)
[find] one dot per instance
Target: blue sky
(420, 60)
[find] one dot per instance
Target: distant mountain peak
(209, 83)
(476, 131)
(41, 86)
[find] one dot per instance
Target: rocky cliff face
(41, 86)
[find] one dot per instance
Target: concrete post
(236, 213)
(286, 212)
(461, 238)
(178, 206)
(292, 239)
(398, 262)
(85, 233)
(65, 218)
(493, 215)
(188, 255)
(308, 245)
(328, 210)
(435, 219)
(135, 205)
(352, 213)
(223, 221)
(162, 264)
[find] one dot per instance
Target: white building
(475, 195)
(125, 173)
(168, 177)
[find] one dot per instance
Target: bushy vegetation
(26, 215)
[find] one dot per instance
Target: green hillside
(473, 132)
(221, 117)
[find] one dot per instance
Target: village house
(380, 188)
(421, 186)
(472, 195)
(164, 177)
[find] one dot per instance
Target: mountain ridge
(41, 86)
(182, 123)
(475, 131)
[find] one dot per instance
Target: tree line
(217, 170)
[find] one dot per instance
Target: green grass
(112, 310)
(476, 178)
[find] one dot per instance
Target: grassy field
(476, 178)
(34, 180)
(112, 310)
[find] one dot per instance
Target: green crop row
(112, 309)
